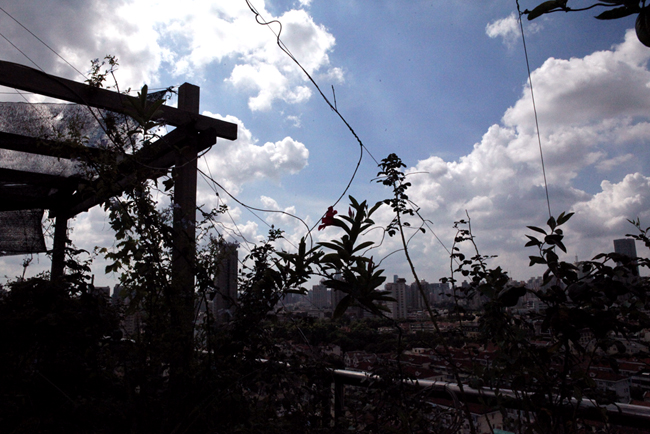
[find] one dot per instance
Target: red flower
(328, 218)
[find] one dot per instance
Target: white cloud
(609, 164)
(607, 212)
(283, 218)
(272, 74)
(80, 31)
(508, 29)
(189, 36)
(295, 121)
(243, 160)
(592, 112)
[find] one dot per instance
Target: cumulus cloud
(592, 112)
(243, 160)
(188, 36)
(508, 29)
(282, 217)
(609, 210)
(91, 36)
(294, 120)
(271, 73)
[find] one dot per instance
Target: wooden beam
(148, 163)
(24, 197)
(58, 248)
(34, 178)
(31, 80)
(181, 292)
(51, 148)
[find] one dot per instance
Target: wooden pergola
(179, 149)
(193, 134)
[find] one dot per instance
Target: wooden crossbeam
(21, 196)
(149, 163)
(33, 178)
(31, 80)
(51, 148)
(16, 202)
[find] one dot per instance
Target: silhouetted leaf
(536, 229)
(613, 14)
(563, 218)
(536, 260)
(542, 9)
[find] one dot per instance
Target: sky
(444, 85)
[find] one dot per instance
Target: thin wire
(210, 180)
(240, 233)
(532, 96)
(30, 104)
(20, 51)
(260, 20)
(250, 208)
(42, 42)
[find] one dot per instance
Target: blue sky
(441, 84)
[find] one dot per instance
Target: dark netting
(21, 232)
(55, 121)
(29, 182)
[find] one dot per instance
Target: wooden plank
(24, 197)
(33, 178)
(31, 80)
(127, 172)
(149, 163)
(181, 292)
(58, 248)
(51, 148)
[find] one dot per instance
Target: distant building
(320, 297)
(413, 296)
(398, 308)
(335, 295)
(440, 292)
(627, 247)
(225, 283)
(131, 319)
(104, 291)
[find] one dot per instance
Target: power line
(42, 42)
(262, 21)
(21, 52)
(532, 96)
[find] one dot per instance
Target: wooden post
(58, 247)
(184, 250)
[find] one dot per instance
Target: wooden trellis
(180, 148)
(193, 134)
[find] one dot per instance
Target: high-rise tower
(627, 247)
(397, 290)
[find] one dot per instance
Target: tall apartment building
(336, 296)
(627, 247)
(415, 299)
(398, 308)
(439, 292)
(320, 297)
(131, 320)
(225, 283)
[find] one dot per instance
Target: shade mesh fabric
(21, 232)
(20, 229)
